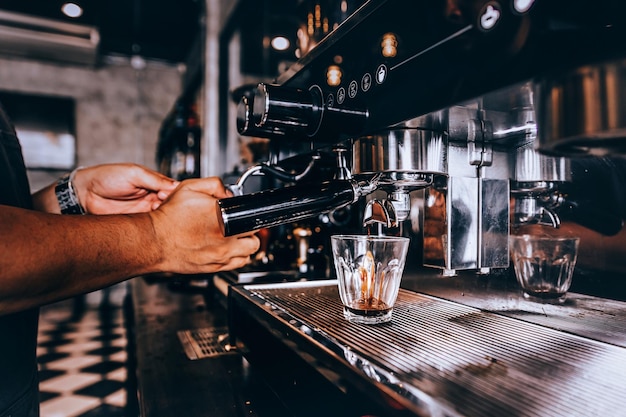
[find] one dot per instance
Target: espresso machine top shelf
(398, 60)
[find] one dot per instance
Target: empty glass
(544, 265)
(369, 270)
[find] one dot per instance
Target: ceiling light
(72, 10)
(280, 43)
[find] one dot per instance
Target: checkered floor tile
(82, 362)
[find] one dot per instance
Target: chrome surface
(404, 160)
(401, 150)
(582, 112)
(535, 209)
(466, 224)
(530, 165)
(276, 111)
(284, 108)
(440, 357)
(381, 212)
(536, 186)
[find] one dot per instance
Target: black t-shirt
(18, 332)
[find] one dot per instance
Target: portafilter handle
(284, 205)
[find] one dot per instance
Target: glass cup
(544, 265)
(369, 270)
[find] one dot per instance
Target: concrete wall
(119, 109)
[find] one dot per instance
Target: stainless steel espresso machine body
(483, 117)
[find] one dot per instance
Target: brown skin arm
(46, 257)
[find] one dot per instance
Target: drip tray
(206, 343)
(439, 357)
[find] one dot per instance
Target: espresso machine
(457, 123)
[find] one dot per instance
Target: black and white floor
(82, 359)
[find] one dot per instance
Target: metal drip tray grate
(444, 358)
(205, 343)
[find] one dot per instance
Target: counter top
(293, 345)
(171, 384)
(442, 357)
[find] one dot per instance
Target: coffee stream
(369, 304)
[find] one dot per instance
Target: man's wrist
(66, 195)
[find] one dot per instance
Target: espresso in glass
(369, 270)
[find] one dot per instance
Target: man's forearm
(46, 257)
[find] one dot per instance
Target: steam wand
(275, 171)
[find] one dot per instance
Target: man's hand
(121, 188)
(189, 234)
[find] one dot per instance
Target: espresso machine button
(489, 16)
